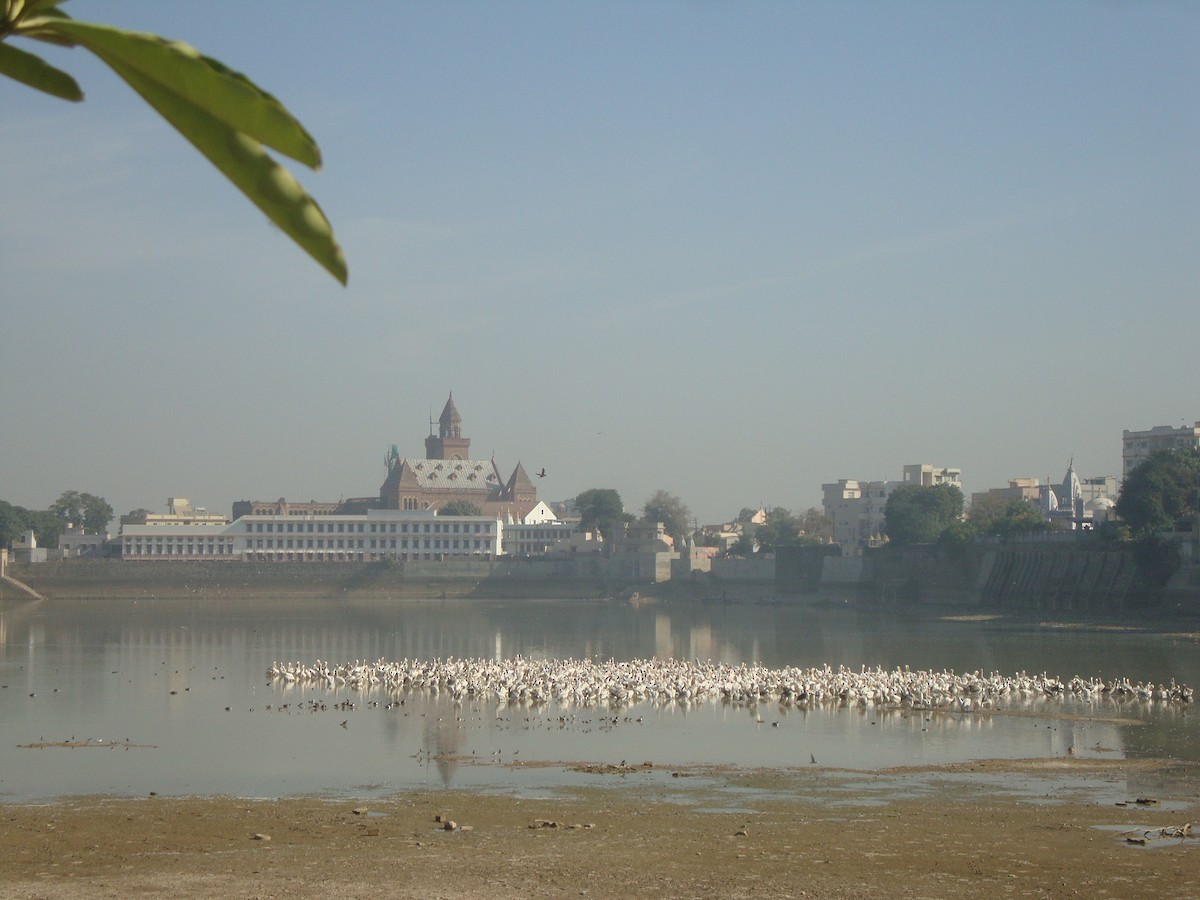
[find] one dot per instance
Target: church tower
(449, 442)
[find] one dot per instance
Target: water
(172, 697)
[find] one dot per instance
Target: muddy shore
(1052, 828)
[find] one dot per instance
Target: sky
(728, 250)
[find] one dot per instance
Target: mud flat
(1052, 828)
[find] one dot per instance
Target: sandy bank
(1043, 829)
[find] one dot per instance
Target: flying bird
(542, 473)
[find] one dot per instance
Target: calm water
(160, 675)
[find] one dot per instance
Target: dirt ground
(1049, 829)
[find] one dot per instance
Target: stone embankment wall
(1075, 578)
(566, 577)
(1089, 577)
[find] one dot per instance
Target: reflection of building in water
(701, 643)
(443, 742)
(664, 647)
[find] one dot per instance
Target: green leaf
(37, 73)
(205, 83)
(243, 161)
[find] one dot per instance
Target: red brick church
(447, 473)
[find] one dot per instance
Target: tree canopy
(14, 520)
(601, 509)
(815, 526)
(1160, 494)
(671, 511)
(222, 113)
(916, 514)
(780, 530)
(1004, 516)
(460, 508)
(83, 510)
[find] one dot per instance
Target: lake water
(172, 696)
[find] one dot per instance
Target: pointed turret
(449, 443)
(519, 487)
(450, 423)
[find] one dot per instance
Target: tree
(13, 520)
(222, 113)
(671, 511)
(1160, 494)
(460, 508)
(46, 526)
(1004, 516)
(916, 514)
(86, 511)
(601, 509)
(743, 546)
(780, 530)
(815, 526)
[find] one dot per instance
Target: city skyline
(731, 252)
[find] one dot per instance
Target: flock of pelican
(619, 684)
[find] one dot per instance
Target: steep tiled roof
(462, 474)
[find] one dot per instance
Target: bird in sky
(542, 472)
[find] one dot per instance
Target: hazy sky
(729, 250)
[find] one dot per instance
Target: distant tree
(746, 514)
(46, 526)
(1160, 494)
(671, 511)
(460, 508)
(916, 514)
(780, 530)
(815, 526)
(601, 509)
(82, 510)
(743, 546)
(1019, 517)
(984, 510)
(13, 521)
(1004, 516)
(135, 516)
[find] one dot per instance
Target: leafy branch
(222, 113)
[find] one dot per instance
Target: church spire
(449, 443)
(450, 423)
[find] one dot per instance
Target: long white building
(378, 535)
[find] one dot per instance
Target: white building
(378, 535)
(538, 533)
(77, 542)
(856, 508)
(1136, 446)
(538, 538)
(179, 512)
